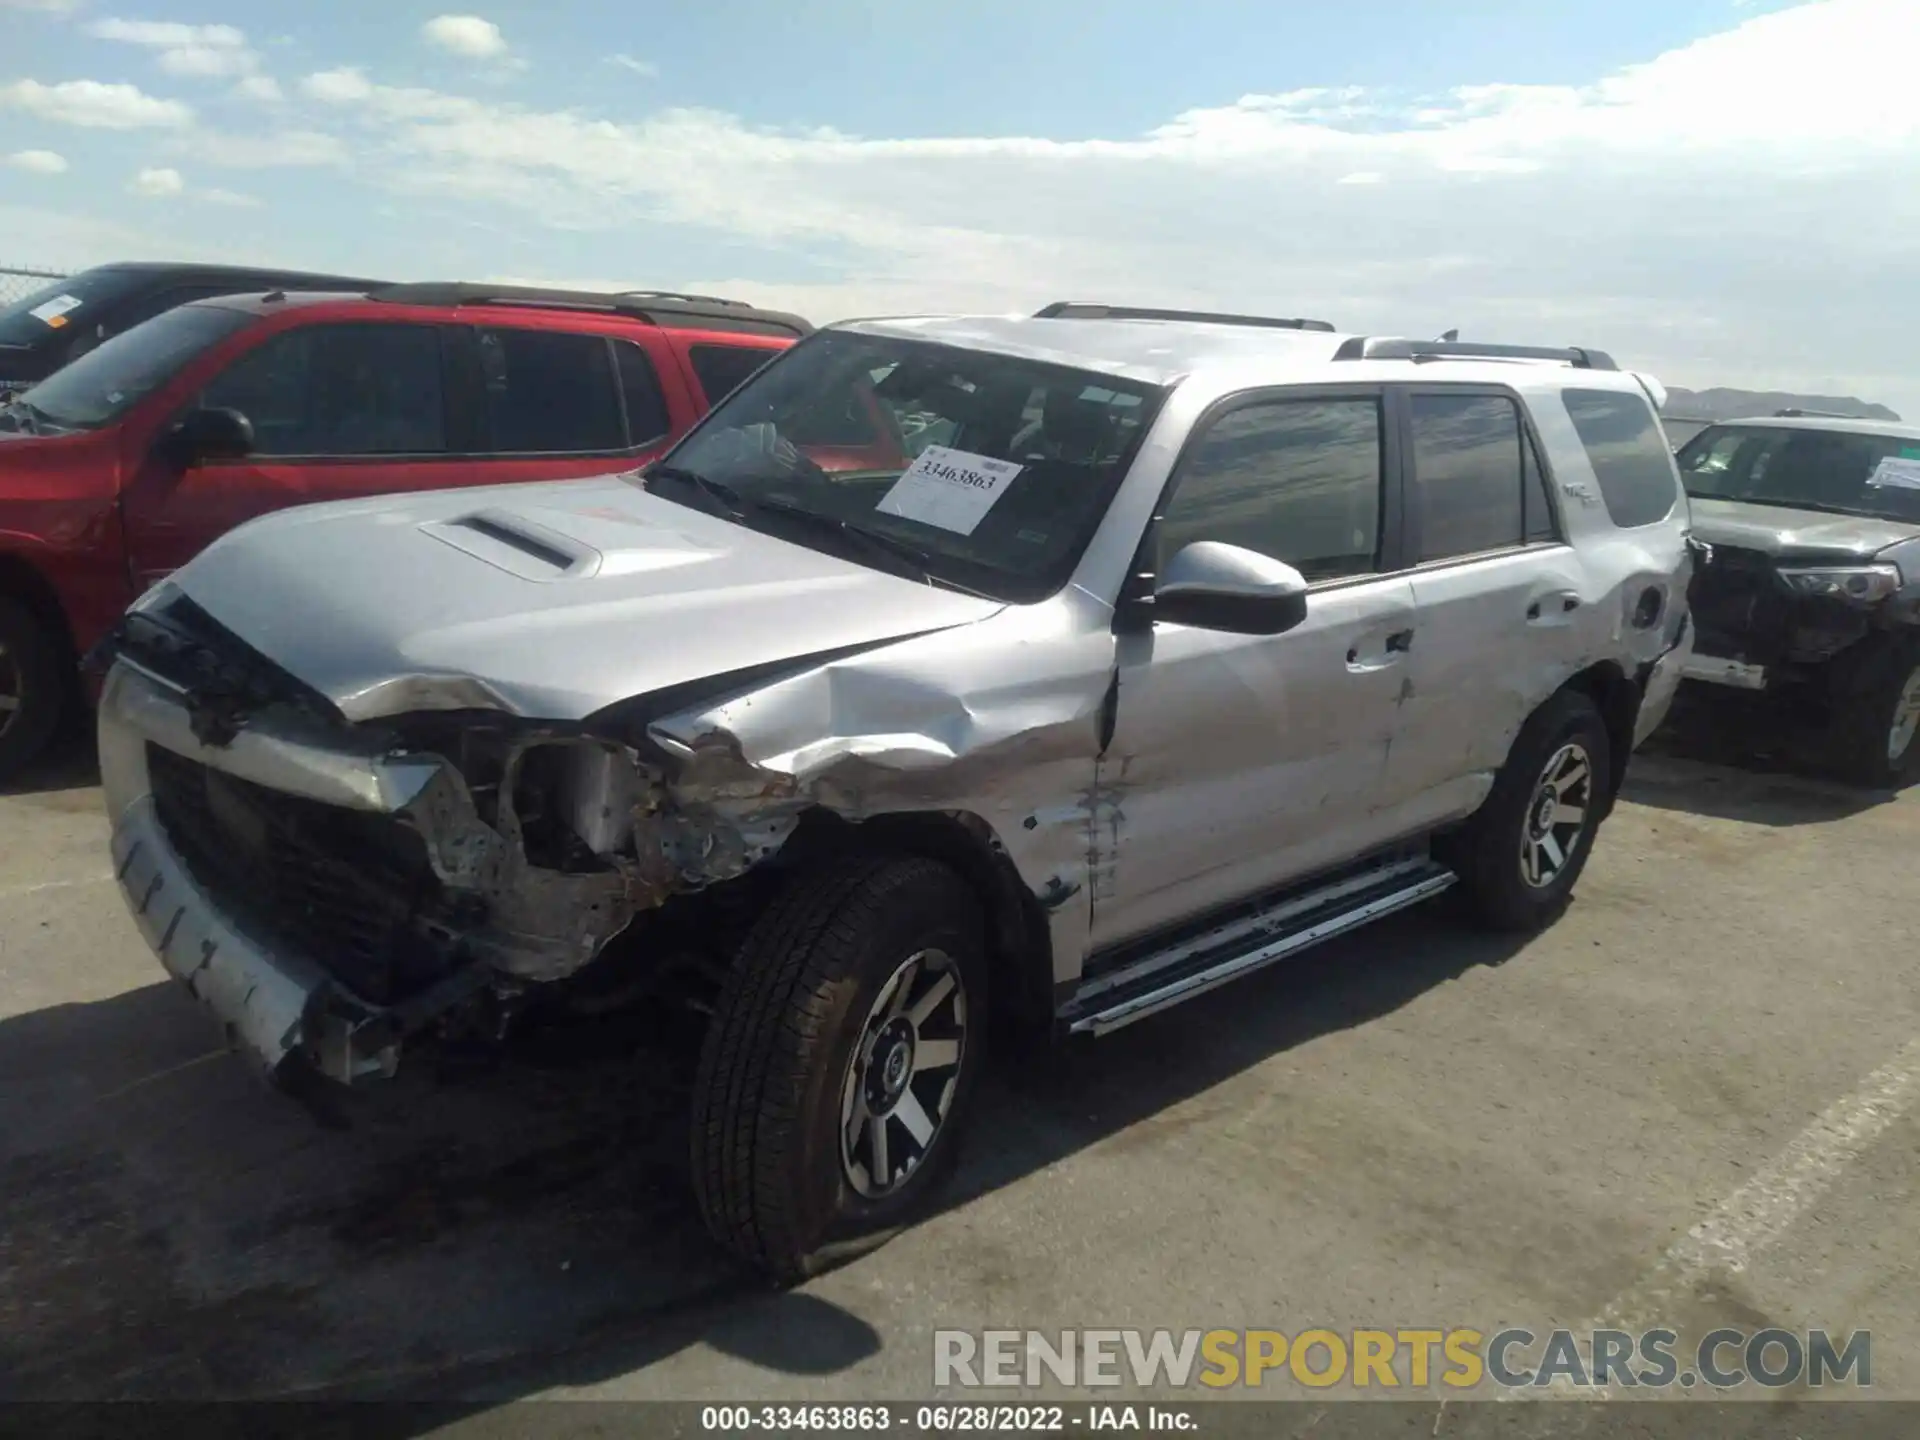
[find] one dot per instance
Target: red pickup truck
(122, 466)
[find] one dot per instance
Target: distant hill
(1721, 404)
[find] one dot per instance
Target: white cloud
(215, 196)
(94, 104)
(467, 36)
(645, 69)
(195, 51)
(1361, 177)
(338, 87)
(157, 184)
(284, 148)
(263, 88)
(39, 162)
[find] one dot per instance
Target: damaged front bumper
(266, 925)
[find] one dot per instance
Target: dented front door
(1240, 762)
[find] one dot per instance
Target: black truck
(65, 318)
(1809, 603)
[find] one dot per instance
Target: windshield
(63, 307)
(100, 385)
(1828, 470)
(963, 467)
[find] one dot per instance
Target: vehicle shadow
(1730, 780)
(471, 1234)
(73, 763)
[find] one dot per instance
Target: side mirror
(1214, 586)
(205, 435)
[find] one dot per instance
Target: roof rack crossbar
(659, 307)
(1795, 413)
(1089, 310)
(1380, 347)
(681, 295)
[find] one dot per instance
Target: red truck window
(340, 390)
(722, 369)
(549, 392)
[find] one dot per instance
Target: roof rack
(678, 295)
(655, 307)
(1797, 414)
(1079, 310)
(1377, 347)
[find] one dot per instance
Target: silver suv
(1061, 667)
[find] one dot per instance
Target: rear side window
(1470, 457)
(549, 393)
(360, 389)
(1629, 457)
(723, 368)
(1297, 480)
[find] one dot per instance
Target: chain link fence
(16, 283)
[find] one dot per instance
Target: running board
(1240, 946)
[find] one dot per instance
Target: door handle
(1564, 603)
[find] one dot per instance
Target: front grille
(1740, 609)
(350, 890)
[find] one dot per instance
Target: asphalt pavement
(1692, 1102)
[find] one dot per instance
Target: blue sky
(1722, 192)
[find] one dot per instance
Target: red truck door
(343, 409)
(338, 410)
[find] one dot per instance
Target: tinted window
(549, 393)
(1297, 480)
(1628, 454)
(1467, 474)
(640, 387)
(101, 384)
(66, 306)
(723, 368)
(1810, 469)
(340, 390)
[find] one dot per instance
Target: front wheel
(1524, 849)
(841, 1059)
(1876, 724)
(33, 688)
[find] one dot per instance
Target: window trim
(1529, 434)
(450, 380)
(1130, 611)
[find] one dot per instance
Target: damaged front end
(329, 889)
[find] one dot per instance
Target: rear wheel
(840, 1062)
(1876, 720)
(33, 689)
(1520, 856)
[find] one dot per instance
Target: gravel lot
(1416, 1125)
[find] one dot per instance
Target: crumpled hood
(551, 600)
(1777, 530)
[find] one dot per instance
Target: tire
(33, 688)
(804, 1036)
(1875, 730)
(1504, 854)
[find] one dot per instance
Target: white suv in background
(1062, 667)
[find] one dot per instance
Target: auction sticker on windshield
(951, 489)
(54, 311)
(1896, 471)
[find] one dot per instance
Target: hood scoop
(517, 545)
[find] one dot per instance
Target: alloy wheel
(1557, 817)
(1906, 719)
(905, 1069)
